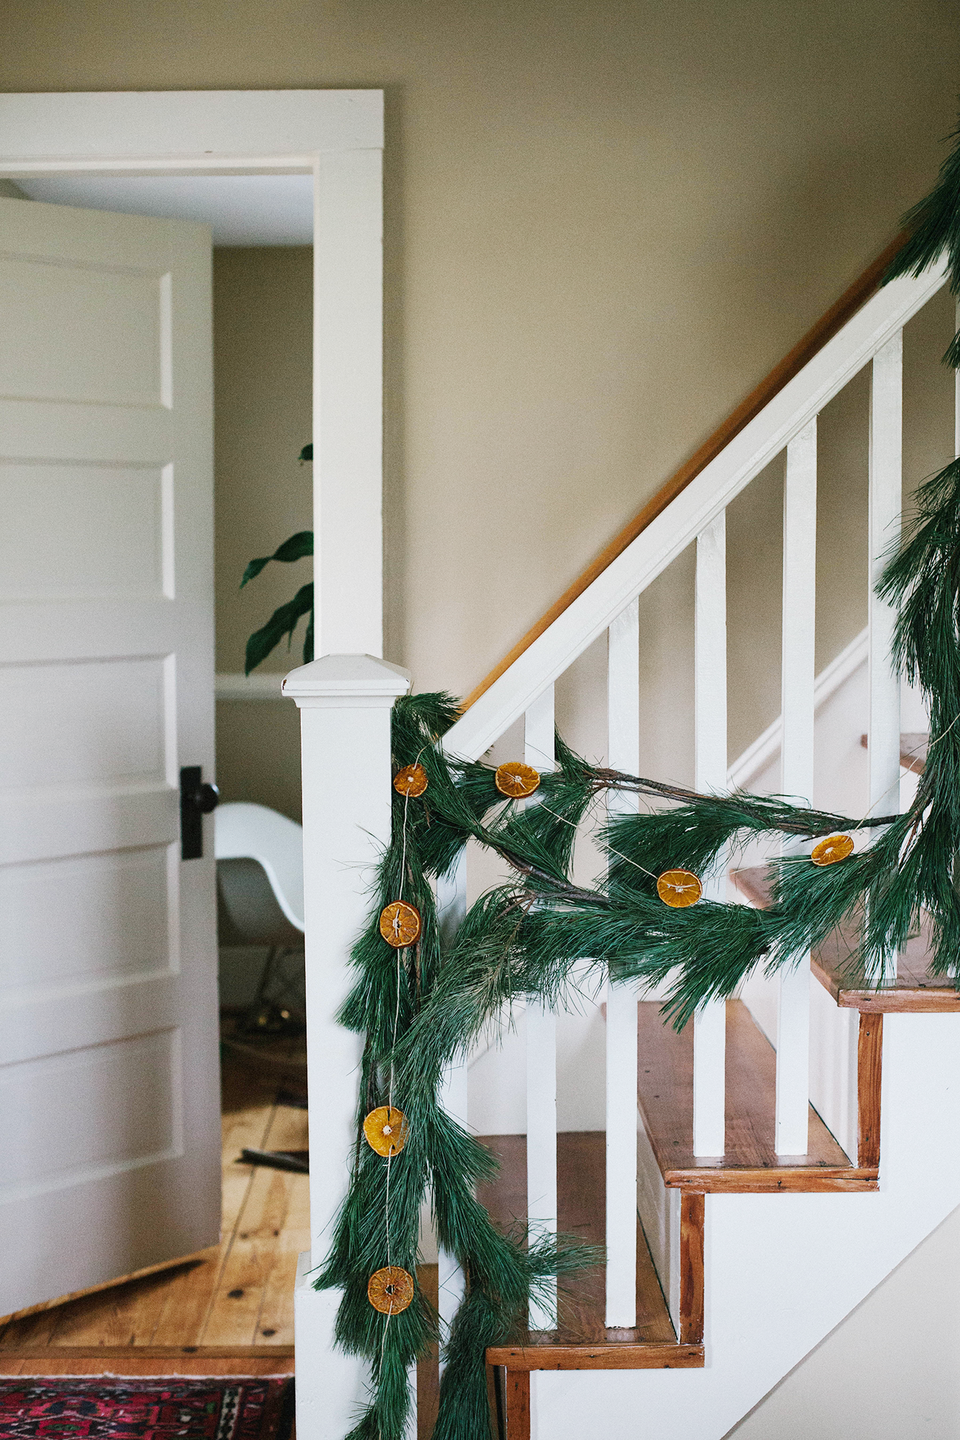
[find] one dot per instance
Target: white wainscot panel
(89, 1112)
(82, 530)
(80, 333)
(83, 722)
(84, 917)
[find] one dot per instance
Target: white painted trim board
(337, 135)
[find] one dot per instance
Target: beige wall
(605, 222)
(262, 325)
(262, 340)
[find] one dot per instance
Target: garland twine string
(396, 1022)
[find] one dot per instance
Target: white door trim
(337, 135)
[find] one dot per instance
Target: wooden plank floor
(227, 1310)
(750, 1163)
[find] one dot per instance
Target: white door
(109, 1092)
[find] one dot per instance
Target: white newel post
(345, 703)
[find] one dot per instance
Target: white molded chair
(259, 855)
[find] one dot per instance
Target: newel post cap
(346, 681)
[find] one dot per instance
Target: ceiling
(243, 209)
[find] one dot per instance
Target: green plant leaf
(297, 547)
(282, 623)
(253, 568)
(306, 453)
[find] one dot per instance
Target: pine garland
(393, 989)
(422, 1006)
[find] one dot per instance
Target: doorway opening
(240, 1294)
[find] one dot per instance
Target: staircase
(785, 1152)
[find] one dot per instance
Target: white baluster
(452, 906)
(886, 445)
(411, 1428)
(623, 753)
(709, 1034)
(541, 1026)
(797, 709)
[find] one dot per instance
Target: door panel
(62, 508)
(109, 1086)
(69, 1115)
(90, 334)
(84, 722)
(50, 917)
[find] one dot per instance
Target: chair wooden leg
(256, 1004)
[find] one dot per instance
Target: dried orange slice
(834, 848)
(386, 1130)
(516, 779)
(410, 781)
(399, 924)
(679, 888)
(390, 1290)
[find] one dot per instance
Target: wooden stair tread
(581, 1341)
(915, 989)
(750, 1163)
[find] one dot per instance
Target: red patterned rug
(115, 1408)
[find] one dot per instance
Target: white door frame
(337, 135)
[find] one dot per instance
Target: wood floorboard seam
(266, 1278)
(238, 1220)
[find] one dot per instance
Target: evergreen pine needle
(934, 225)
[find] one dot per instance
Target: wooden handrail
(825, 328)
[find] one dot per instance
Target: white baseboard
(248, 687)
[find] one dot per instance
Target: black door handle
(197, 798)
